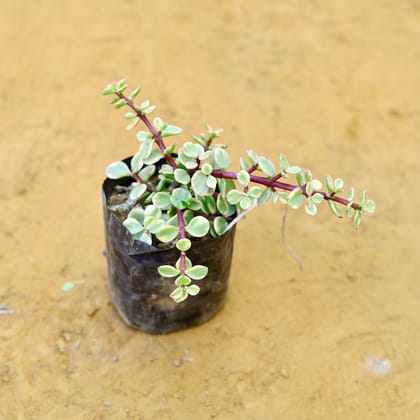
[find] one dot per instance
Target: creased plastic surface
(141, 295)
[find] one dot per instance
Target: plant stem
(156, 134)
(182, 235)
(140, 180)
(272, 183)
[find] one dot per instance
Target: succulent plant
(187, 192)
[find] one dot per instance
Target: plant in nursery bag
(179, 194)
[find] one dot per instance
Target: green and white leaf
(209, 204)
(317, 198)
(180, 198)
(244, 178)
(134, 93)
(193, 290)
(130, 115)
(197, 272)
(133, 124)
(330, 184)
(266, 166)
(109, 89)
(211, 182)
(183, 280)
(363, 198)
(369, 206)
(136, 162)
(335, 208)
(162, 200)
(357, 218)
(220, 225)
(168, 271)
(296, 198)
(168, 233)
(133, 225)
(153, 224)
(243, 164)
(222, 205)
(234, 197)
(309, 188)
(146, 148)
(265, 196)
(179, 294)
(255, 191)
(293, 170)
(338, 185)
(206, 169)
(138, 191)
(182, 176)
(118, 170)
(120, 104)
(143, 135)
(199, 184)
(350, 195)
(192, 150)
(252, 156)
(153, 157)
(147, 172)
(281, 196)
(245, 203)
(310, 207)
(158, 123)
(300, 179)
(316, 184)
(349, 210)
(188, 263)
(171, 130)
(220, 158)
(149, 109)
(138, 214)
(144, 237)
(152, 211)
(198, 226)
(183, 244)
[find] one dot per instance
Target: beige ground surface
(334, 85)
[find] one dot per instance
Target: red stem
(140, 180)
(271, 183)
(182, 235)
(156, 134)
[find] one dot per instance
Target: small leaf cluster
(183, 278)
(188, 192)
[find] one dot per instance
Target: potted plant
(170, 216)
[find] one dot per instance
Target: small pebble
(61, 345)
(5, 311)
(379, 367)
(177, 363)
(108, 403)
(350, 275)
(93, 310)
(67, 286)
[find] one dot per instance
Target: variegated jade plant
(194, 194)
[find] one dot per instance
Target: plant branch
(182, 235)
(272, 183)
(156, 134)
(140, 180)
